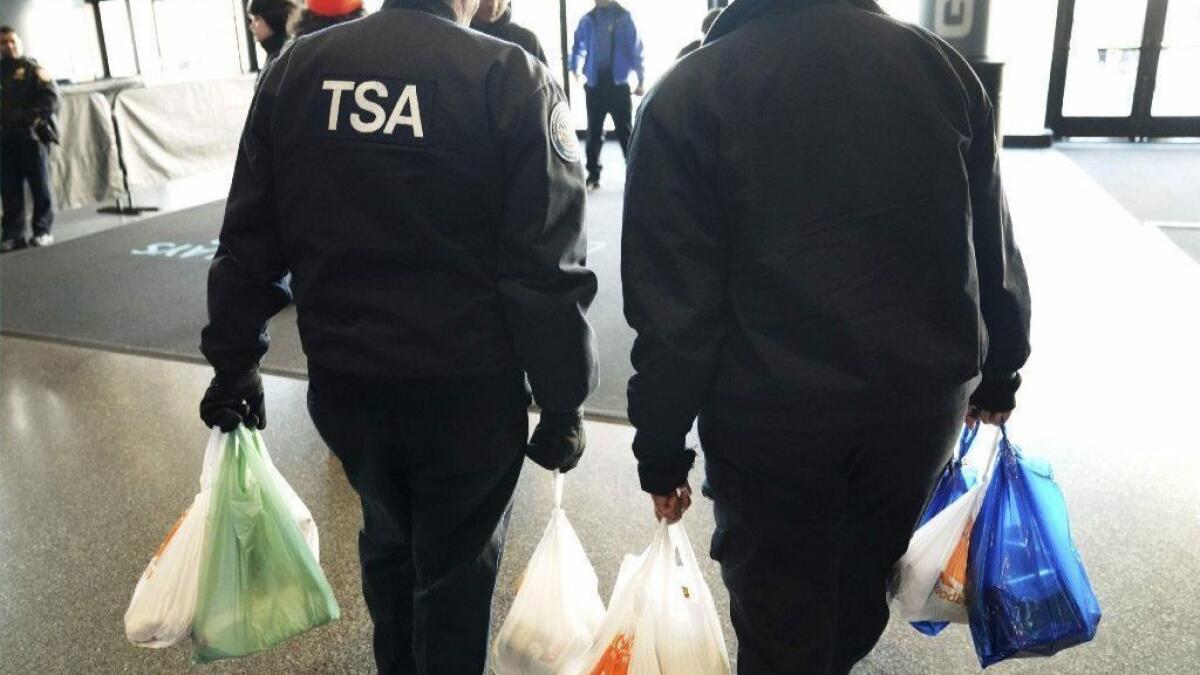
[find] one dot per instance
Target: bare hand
(640, 91)
(975, 416)
(672, 507)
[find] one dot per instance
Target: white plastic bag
(164, 599)
(557, 609)
(662, 619)
(931, 575)
(160, 612)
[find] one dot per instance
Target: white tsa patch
(562, 132)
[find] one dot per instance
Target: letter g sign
(953, 19)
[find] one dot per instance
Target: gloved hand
(233, 399)
(558, 442)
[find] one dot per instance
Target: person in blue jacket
(608, 45)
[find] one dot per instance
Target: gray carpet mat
(140, 288)
(1156, 182)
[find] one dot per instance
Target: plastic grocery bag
(931, 575)
(557, 609)
(160, 612)
(164, 600)
(954, 482)
(260, 583)
(662, 619)
(1029, 592)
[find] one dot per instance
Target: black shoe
(8, 245)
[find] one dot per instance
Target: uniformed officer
(494, 17)
(818, 260)
(28, 105)
(421, 183)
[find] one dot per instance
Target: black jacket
(503, 28)
(28, 101)
(815, 232)
(432, 230)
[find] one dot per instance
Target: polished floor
(99, 452)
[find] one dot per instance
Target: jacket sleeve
(247, 282)
(45, 99)
(635, 50)
(583, 34)
(1003, 287)
(673, 270)
(544, 285)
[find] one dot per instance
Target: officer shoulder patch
(562, 132)
(43, 76)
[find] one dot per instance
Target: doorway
(1125, 69)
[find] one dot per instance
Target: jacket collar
(434, 7)
(615, 6)
(743, 12)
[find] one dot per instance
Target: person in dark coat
(494, 17)
(709, 20)
(269, 21)
(422, 203)
(321, 14)
(606, 53)
(820, 266)
(28, 126)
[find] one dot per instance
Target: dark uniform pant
(808, 529)
(24, 160)
(435, 464)
(603, 100)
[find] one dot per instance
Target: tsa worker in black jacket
(424, 191)
(818, 261)
(494, 17)
(28, 105)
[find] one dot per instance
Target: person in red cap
(320, 14)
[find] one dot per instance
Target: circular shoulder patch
(562, 133)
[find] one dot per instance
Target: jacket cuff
(997, 393)
(662, 465)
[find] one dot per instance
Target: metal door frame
(1140, 123)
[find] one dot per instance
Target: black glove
(234, 399)
(558, 441)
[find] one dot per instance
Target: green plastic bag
(259, 582)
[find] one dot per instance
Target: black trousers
(603, 100)
(435, 464)
(24, 160)
(808, 529)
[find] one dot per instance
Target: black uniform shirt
(504, 29)
(28, 95)
(420, 182)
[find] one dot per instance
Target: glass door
(1125, 69)
(1177, 93)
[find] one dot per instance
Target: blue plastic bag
(1027, 591)
(953, 483)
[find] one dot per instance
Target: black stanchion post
(964, 24)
